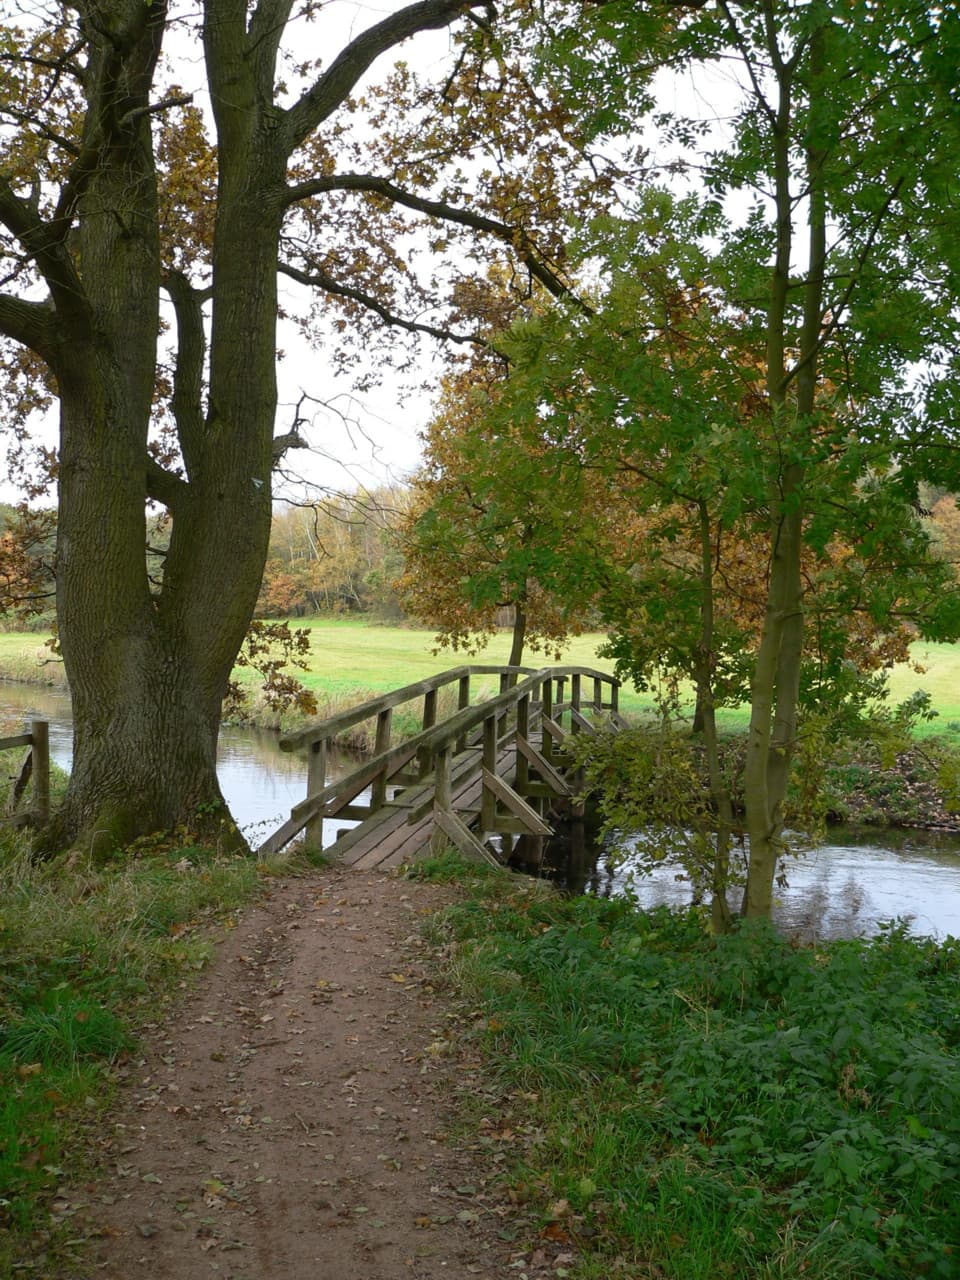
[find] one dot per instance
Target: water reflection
(844, 888)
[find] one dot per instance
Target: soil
(292, 1118)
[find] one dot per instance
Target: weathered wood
(554, 779)
(463, 838)
(553, 730)
(378, 788)
(580, 721)
(17, 740)
(334, 725)
(463, 763)
(316, 781)
(524, 812)
(40, 732)
(20, 783)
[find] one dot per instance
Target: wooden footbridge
(475, 769)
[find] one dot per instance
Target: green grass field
(348, 655)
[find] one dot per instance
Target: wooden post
(574, 702)
(463, 696)
(546, 708)
(505, 682)
(429, 708)
(463, 701)
(523, 731)
(316, 781)
(378, 788)
(614, 697)
(597, 693)
(488, 802)
(561, 689)
(40, 732)
(442, 799)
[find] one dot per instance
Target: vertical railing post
(442, 796)
(316, 781)
(558, 704)
(430, 708)
(546, 710)
(378, 789)
(614, 696)
(488, 801)
(598, 693)
(463, 701)
(463, 693)
(505, 682)
(40, 733)
(523, 732)
(574, 702)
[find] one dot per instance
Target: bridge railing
(36, 765)
(525, 695)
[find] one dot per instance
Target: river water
(843, 888)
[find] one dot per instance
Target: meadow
(355, 657)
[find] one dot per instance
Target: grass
(356, 656)
(88, 954)
(705, 1108)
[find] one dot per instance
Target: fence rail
(36, 765)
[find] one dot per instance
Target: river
(843, 888)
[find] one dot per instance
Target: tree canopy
(144, 231)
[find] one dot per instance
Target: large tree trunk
(148, 667)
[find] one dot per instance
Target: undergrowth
(713, 1107)
(87, 955)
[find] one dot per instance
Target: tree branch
(164, 487)
(514, 236)
(336, 83)
(45, 246)
(28, 322)
(319, 279)
(187, 401)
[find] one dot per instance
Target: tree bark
(775, 698)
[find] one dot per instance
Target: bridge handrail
(463, 721)
(439, 737)
(333, 725)
(434, 747)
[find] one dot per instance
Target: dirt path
(291, 1120)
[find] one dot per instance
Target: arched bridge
(475, 769)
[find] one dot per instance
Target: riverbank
(694, 1108)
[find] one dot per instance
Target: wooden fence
(36, 765)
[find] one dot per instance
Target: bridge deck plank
(387, 845)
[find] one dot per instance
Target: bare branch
(45, 245)
(319, 279)
(28, 322)
(153, 108)
(163, 486)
